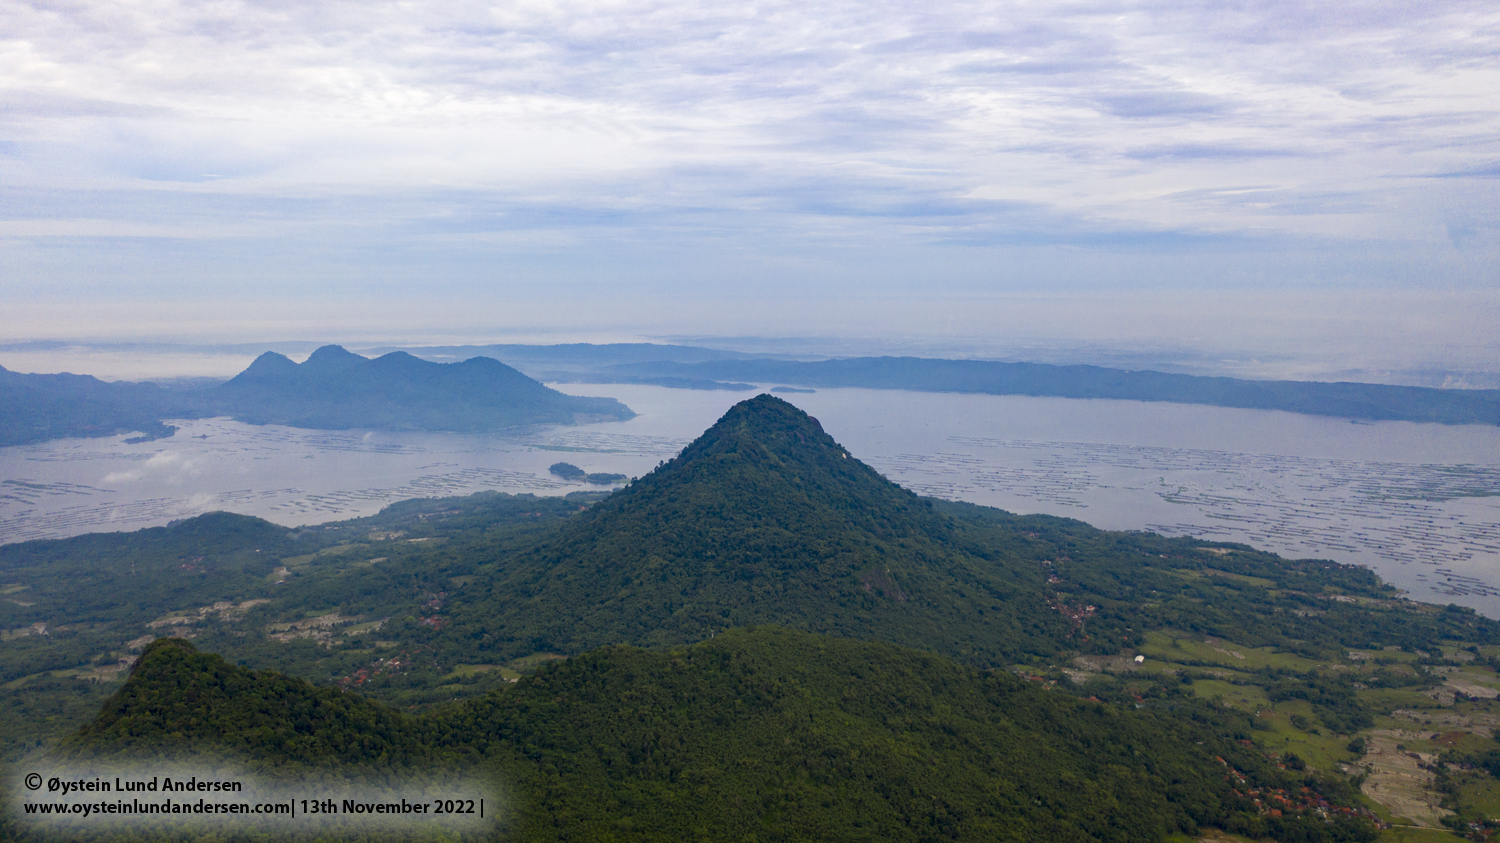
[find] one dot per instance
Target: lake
(1419, 503)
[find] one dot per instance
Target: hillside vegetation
(766, 733)
(766, 519)
(763, 519)
(764, 637)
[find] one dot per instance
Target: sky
(1315, 180)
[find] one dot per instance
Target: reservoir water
(1419, 503)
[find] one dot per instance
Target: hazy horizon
(126, 360)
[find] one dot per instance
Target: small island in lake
(571, 472)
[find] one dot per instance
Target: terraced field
(1416, 735)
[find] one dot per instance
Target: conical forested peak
(268, 366)
(768, 419)
(765, 413)
(767, 456)
(762, 519)
(332, 358)
(768, 423)
(184, 700)
(218, 524)
(400, 360)
(159, 653)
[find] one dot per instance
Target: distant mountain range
(337, 390)
(573, 357)
(1344, 400)
(333, 390)
(689, 367)
(35, 408)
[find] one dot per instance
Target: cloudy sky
(1250, 174)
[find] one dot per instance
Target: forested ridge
(792, 735)
(36, 408)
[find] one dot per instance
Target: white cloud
(607, 135)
